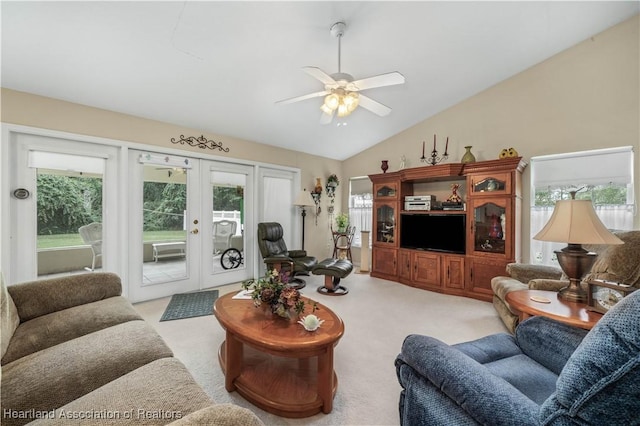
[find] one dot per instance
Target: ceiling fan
(342, 92)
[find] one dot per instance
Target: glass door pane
(69, 221)
(385, 224)
(228, 203)
(164, 230)
(489, 228)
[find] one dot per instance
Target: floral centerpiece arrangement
(273, 291)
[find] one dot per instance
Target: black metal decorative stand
(200, 142)
(433, 159)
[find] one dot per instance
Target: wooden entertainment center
(492, 196)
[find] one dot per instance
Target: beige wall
(586, 97)
(37, 111)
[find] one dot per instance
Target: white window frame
(576, 170)
(360, 210)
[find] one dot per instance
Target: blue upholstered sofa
(547, 374)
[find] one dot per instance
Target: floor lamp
(303, 201)
(575, 222)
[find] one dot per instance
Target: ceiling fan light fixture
(332, 101)
(351, 101)
(326, 109)
(341, 91)
(343, 110)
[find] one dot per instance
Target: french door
(186, 215)
(59, 189)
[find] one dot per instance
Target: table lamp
(304, 200)
(575, 222)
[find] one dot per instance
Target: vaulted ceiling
(220, 66)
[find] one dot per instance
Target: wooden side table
(572, 313)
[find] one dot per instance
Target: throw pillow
(9, 319)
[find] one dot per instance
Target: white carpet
(377, 314)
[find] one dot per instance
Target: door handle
(195, 231)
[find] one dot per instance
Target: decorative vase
(384, 166)
(468, 156)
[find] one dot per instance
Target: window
(360, 207)
(604, 176)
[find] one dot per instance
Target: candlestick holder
(433, 159)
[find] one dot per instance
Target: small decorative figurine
(403, 162)
(454, 197)
(311, 322)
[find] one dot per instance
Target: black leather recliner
(276, 256)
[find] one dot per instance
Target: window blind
(597, 167)
(68, 162)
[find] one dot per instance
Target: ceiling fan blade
(317, 73)
(303, 97)
(327, 118)
(373, 106)
(381, 80)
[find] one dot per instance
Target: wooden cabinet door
(385, 191)
(385, 218)
(453, 269)
(481, 271)
(491, 227)
(404, 264)
(385, 262)
(426, 270)
(481, 184)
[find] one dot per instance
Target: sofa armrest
(547, 284)
(548, 342)
(525, 272)
(36, 298)
(297, 253)
(220, 415)
(488, 399)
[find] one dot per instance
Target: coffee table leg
(233, 357)
(325, 379)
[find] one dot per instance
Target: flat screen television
(433, 231)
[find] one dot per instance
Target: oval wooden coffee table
(275, 363)
(572, 313)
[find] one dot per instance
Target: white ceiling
(221, 66)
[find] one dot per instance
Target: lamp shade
(304, 199)
(576, 222)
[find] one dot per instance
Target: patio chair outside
(223, 230)
(92, 236)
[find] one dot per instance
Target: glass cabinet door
(385, 223)
(385, 190)
(490, 227)
(493, 184)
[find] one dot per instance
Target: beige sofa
(620, 263)
(74, 351)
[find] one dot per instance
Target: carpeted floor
(189, 305)
(378, 314)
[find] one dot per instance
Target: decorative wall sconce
(317, 194)
(332, 185)
(433, 159)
